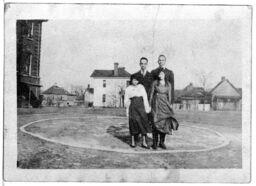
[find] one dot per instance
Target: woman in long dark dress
(137, 107)
(162, 112)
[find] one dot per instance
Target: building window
(104, 83)
(26, 66)
(31, 30)
(30, 65)
(25, 69)
(104, 98)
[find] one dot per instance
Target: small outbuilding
(192, 98)
(58, 96)
(225, 96)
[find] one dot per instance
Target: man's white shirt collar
(143, 73)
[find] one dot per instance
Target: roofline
(234, 87)
(38, 20)
(53, 94)
(110, 70)
(221, 96)
(115, 77)
(58, 94)
(193, 98)
(215, 87)
(33, 84)
(229, 83)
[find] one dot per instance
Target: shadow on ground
(121, 132)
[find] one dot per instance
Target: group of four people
(149, 100)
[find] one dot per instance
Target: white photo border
(12, 173)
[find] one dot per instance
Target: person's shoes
(154, 146)
(145, 147)
(133, 146)
(162, 145)
(162, 139)
(155, 141)
(136, 138)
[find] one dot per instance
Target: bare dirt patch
(112, 134)
(36, 153)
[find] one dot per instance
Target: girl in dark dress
(137, 107)
(163, 116)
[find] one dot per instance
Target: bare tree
(121, 95)
(203, 80)
(114, 100)
(78, 90)
(117, 96)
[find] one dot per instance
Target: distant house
(77, 90)
(109, 86)
(88, 96)
(225, 96)
(192, 98)
(79, 98)
(57, 96)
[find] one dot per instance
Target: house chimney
(115, 69)
(191, 84)
(223, 78)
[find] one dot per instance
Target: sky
(72, 49)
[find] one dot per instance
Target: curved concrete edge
(130, 151)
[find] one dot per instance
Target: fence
(200, 107)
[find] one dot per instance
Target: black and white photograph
(127, 92)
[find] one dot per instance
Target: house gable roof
(178, 93)
(56, 90)
(110, 73)
(193, 92)
(240, 91)
(225, 89)
(190, 93)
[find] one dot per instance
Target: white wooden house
(109, 86)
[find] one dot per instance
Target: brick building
(28, 34)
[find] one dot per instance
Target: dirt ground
(35, 153)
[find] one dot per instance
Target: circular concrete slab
(111, 133)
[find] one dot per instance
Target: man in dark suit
(170, 78)
(143, 76)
